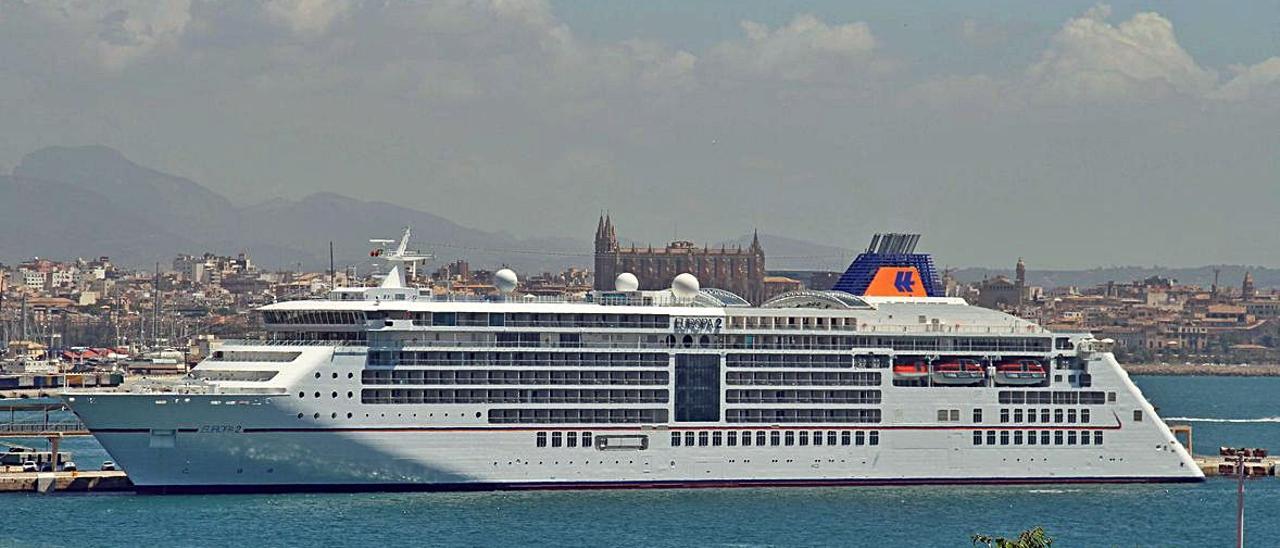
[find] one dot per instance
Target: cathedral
(735, 269)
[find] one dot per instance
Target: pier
(46, 428)
(45, 482)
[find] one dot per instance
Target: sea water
(1222, 410)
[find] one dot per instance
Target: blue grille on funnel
(893, 250)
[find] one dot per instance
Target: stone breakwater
(1203, 370)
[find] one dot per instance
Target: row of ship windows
(774, 438)
(731, 438)
(313, 317)
(1038, 437)
(466, 319)
(615, 359)
(562, 439)
(587, 395)
(802, 396)
(800, 360)
(274, 356)
(1070, 416)
(935, 344)
(794, 378)
(493, 376)
(540, 395)
(490, 376)
(633, 416)
(647, 321)
(308, 337)
(534, 359)
(1056, 397)
(525, 319)
(790, 416)
(577, 416)
(1059, 416)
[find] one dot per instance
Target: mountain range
(86, 201)
(64, 202)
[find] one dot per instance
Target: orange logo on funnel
(897, 281)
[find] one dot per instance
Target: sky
(1073, 134)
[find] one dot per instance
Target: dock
(1215, 465)
(44, 482)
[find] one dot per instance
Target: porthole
(477, 414)
(302, 394)
(350, 395)
(335, 374)
(315, 416)
(351, 375)
(317, 374)
(335, 394)
(299, 415)
(333, 415)
(317, 394)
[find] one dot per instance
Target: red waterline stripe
(671, 484)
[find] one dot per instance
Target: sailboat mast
(155, 315)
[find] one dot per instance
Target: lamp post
(1240, 498)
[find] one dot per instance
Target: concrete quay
(1226, 466)
(1203, 370)
(44, 482)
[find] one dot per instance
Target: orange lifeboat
(959, 373)
(910, 371)
(1020, 372)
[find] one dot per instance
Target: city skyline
(1100, 135)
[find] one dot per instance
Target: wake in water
(1207, 419)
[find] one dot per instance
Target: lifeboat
(958, 373)
(910, 371)
(1020, 372)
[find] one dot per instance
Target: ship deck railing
(1016, 346)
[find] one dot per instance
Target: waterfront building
(1002, 293)
(732, 268)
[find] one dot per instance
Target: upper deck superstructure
(393, 387)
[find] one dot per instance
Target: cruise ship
(879, 381)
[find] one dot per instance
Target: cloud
(306, 17)
(1091, 58)
(1260, 80)
(117, 33)
(812, 125)
(983, 35)
(805, 49)
(1092, 61)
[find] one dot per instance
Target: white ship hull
(257, 443)
(636, 389)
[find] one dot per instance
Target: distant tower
(606, 253)
(1020, 281)
(1247, 291)
(1213, 290)
(755, 270)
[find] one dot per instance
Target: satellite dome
(506, 280)
(685, 286)
(626, 282)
